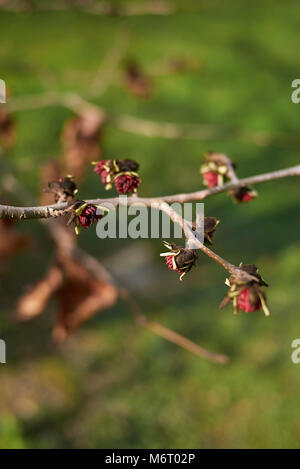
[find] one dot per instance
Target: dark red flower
(179, 259)
(210, 179)
(120, 172)
(245, 301)
(215, 169)
(127, 182)
(243, 194)
(88, 216)
(245, 290)
(102, 171)
(170, 261)
(247, 198)
(84, 214)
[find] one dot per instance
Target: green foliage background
(115, 385)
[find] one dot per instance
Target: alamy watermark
(142, 221)
(2, 91)
(2, 351)
(295, 96)
(295, 356)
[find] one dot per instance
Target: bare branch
(161, 203)
(49, 211)
(105, 74)
(64, 241)
(190, 236)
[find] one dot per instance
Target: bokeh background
(227, 68)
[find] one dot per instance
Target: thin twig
(192, 240)
(105, 74)
(169, 334)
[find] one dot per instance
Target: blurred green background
(114, 384)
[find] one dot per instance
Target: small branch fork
(55, 210)
(77, 104)
(61, 238)
(161, 203)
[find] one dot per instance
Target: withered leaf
(136, 81)
(81, 139)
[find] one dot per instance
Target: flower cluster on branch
(122, 173)
(244, 293)
(245, 284)
(218, 171)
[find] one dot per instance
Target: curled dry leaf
(81, 141)
(33, 303)
(49, 172)
(136, 81)
(80, 295)
(71, 279)
(7, 129)
(11, 242)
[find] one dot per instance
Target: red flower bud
(179, 259)
(171, 264)
(243, 194)
(120, 172)
(88, 216)
(245, 302)
(245, 290)
(127, 182)
(101, 171)
(84, 214)
(215, 169)
(210, 179)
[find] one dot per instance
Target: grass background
(114, 385)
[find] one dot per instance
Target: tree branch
(161, 203)
(64, 241)
(55, 210)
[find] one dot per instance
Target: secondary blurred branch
(140, 126)
(102, 8)
(169, 334)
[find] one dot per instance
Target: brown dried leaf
(11, 242)
(7, 129)
(34, 302)
(136, 81)
(81, 141)
(49, 172)
(80, 297)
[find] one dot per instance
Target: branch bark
(61, 237)
(55, 210)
